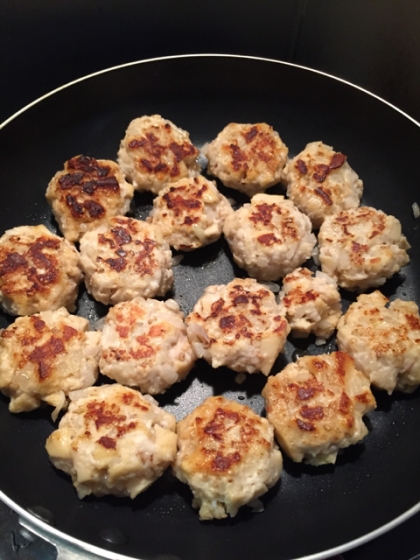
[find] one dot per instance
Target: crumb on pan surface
(238, 325)
(384, 340)
(113, 440)
(86, 194)
(154, 152)
(269, 237)
(144, 344)
(316, 406)
(44, 357)
(227, 455)
(39, 271)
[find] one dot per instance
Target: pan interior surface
(312, 509)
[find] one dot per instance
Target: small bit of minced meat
(39, 271)
(124, 259)
(247, 157)
(238, 325)
(155, 152)
(269, 237)
(191, 213)
(86, 194)
(44, 357)
(312, 303)
(321, 182)
(113, 440)
(362, 247)
(227, 455)
(384, 340)
(144, 344)
(316, 406)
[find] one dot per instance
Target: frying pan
(314, 512)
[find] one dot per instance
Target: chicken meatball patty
(269, 237)
(384, 340)
(191, 213)
(227, 456)
(312, 303)
(247, 157)
(113, 440)
(44, 357)
(321, 182)
(144, 344)
(124, 259)
(155, 152)
(86, 194)
(39, 271)
(316, 407)
(238, 325)
(362, 247)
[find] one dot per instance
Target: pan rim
(61, 538)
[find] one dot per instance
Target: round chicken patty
(227, 456)
(238, 325)
(191, 213)
(312, 302)
(44, 357)
(113, 440)
(321, 182)
(316, 407)
(124, 259)
(384, 340)
(86, 194)
(362, 247)
(269, 237)
(39, 271)
(247, 157)
(144, 344)
(155, 152)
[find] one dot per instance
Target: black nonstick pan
(313, 512)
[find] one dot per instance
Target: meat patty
(321, 182)
(269, 237)
(44, 357)
(247, 157)
(362, 247)
(238, 325)
(227, 456)
(113, 440)
(191, 213)
(86, 194)
(124, 259)
(39, 271)
(384, 340)
(155, 152)
(144, 344)
(316, 406)
(312, 303)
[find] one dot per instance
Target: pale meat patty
(44, 357)
(155, 152)
(238, 325)
(362, 247)
(39, 271)
(144, 344)
(269, 237)
(316, 406)
(124, 259)
(191, 213)
(384, 340)
(227, 456)
(321, 182)
(247, 157)
(86, 194)
(312, 302)
(113, 440)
